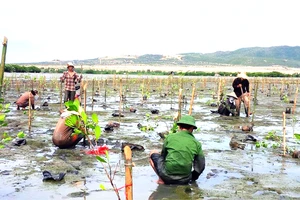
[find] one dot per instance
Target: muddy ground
(249, 173)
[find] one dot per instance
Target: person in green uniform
(181, 159)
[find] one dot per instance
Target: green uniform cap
(187, 119)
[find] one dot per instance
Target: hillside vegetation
(254, 56)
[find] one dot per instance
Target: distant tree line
(34, 69)
(18, 68)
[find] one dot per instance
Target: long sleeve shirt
(70, 79)
(238, 90)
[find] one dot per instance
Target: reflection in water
(173, 192)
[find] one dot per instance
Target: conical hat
(232, 94)
(242, 75)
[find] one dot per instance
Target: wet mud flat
(249, 173)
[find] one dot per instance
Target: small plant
(5, 138)
(81, 124)
(272, 136)
(285, 99)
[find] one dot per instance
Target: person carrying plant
(23, 100)
(241, 88)
(181, 160)
(227, 107)
(71, 78)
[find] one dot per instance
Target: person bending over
(62, 136)
(23, 101)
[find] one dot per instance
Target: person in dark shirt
(241, 89)
(227, 107)
(181, 160)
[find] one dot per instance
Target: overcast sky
(44, 30)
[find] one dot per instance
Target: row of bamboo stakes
(127, 150)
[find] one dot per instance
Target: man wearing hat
(181, 159)
(241, 89)
(71, 78)
(227, 107)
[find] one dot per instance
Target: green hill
(253, 56)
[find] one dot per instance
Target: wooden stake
(60, 95)
(295, 101)
(192, 100)
(84, 96)
(249, 100)
(2, 66)
(179, 103)
(128, 173)
(219, 90)
(120, 105)
(284, 148)
(93, 86)
(29, 115)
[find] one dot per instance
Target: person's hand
(239, 85)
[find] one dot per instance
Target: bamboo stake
(84, 96)
(192, 100)
(105, 85)
(93, 85)
(284, 147)
(179, 103)
(29, 115)
(219, 90)
(60, 95)
(128, 173)
(120, 104)
(295, 101)
(2, 66)
(255, 99)
(249, 100)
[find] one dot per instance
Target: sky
(46, 30)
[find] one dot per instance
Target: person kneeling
(180, 154)
(227, 107)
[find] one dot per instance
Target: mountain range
(253, 56)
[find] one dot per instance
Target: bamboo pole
(60, 95)
(105, 86)
(93, 86)
(219, 90)
(84, 96)
(120, 104)
(255, 100)
(29, 114)
(249, 100)
(179, 103)
(295, 101)
(128, 173)
(284, 147)
(2, 63)
(192, 100)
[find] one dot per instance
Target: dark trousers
(69, 95)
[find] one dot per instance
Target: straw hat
(242, 75)
(70, 64)
(232, 94)
(187, 119)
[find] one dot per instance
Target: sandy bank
(207, 68)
